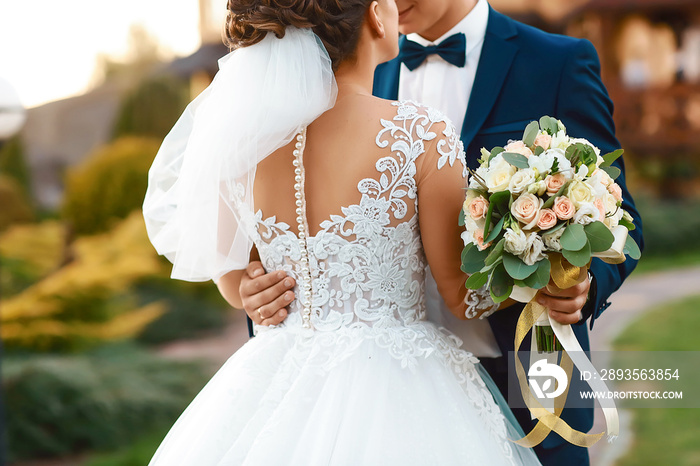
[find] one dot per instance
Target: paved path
(637, 295)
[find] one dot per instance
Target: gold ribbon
(564, 276)
(546, 421)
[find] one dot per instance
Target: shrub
(13, 164)
(86, 302)
(109, 185)
(152, 108)
(58, 405)
(15, 208)
(670, 227)
(28, 253)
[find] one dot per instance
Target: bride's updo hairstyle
(336, 22)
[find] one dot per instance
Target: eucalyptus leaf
(629, 225)
(517, 160)
(476, 280)
(579, 258)
(574, 238)
(540, 278)
(608, 159)
(530, 133)
(631, 249)
(496, 252)
(501, 284)
(473, 259)
(496, 202)
(549, 124)
(599, 236)
(550, 202)
(614, 172)
(554, 229)
(516, 268)
(539, 150)
(461, 217)
(495, 232)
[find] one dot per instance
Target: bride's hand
(265, 296)
(565, 305)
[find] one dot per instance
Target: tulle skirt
(352, 397)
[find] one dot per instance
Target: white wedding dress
(355, 375)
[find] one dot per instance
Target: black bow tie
(453, 50)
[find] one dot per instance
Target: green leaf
(554, 228)
(540, 278)
(461, 217)
(500, 284)
(476, 280)
(497, 201)
(574, 238)
(496, 252)
(516, 268)
(631, 249)
(549, 124)
(530, 133)
(599, 236)
(608, 159)
(495, 232)
(614, 172)
(539, 150)
(517, 160)
(629, 225)
(550, 202)
(579, 258)
(473, 259)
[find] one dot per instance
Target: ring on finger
(259, 313)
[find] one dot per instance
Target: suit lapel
(496, 59)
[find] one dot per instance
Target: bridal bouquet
(538, 206)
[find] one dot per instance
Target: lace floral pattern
(368, 266)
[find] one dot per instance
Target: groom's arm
(586, 109)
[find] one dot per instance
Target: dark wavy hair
(336, 22)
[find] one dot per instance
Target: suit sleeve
(586, 109)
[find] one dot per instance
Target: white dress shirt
(439, 84)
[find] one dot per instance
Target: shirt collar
(473, 26)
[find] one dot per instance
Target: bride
(288, 158)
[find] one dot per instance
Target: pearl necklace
(302, 225)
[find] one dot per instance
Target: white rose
(610, 204)
(481, 173)
(498, 175)
(534, 252)
(579, 193)
(515, 242)
(520, 181)
(586, 213)
(551, 240)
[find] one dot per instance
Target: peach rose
(519, 147)
(526, 208)
(554, 183)
(598, 203)
(563, 208)
(547, 219)
(478, 208)
(616, 191)
(543, 140)
(479, 239)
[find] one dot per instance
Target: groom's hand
(265, 297)
(565, 305)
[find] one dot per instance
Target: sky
(48, 48)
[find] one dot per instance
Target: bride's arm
(441, 193)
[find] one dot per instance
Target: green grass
(136, 454)
(664, 436)
(660, 263)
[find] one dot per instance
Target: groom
(492, 76)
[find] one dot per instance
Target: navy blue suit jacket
(523, 74)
